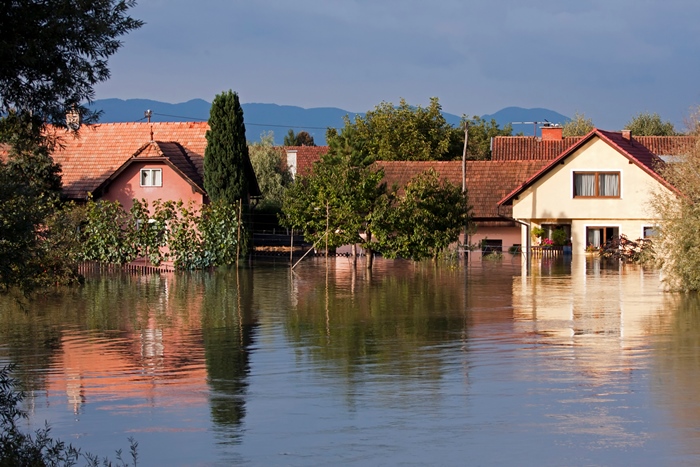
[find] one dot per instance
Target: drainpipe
(528, 241)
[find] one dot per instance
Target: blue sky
(609, 59)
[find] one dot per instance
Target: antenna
(148, 114)
(545, 123)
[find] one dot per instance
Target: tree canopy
(270, 170)
(650, 124)
(424, 220)
(479, 133)
(402, 132)
(53, 53)
(577, 126)
(303, 138)
(677, 242)
(227, 150)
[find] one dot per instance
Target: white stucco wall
(551, 199)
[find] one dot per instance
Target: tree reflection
(228, 327)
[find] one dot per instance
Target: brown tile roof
(306, 156)
(89, 158)
(632, 149)
(530, 148)
(487, 181)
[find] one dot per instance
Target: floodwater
(577, 364)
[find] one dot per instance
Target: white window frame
(152, 180)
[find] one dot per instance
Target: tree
(227, 151)
(302, 138)
(480, 133)
(577, 126)
(53, 53)
(677, 243)
(650, 124)
(270, 170)
(424, 220)
(334, 205)
(404, 132)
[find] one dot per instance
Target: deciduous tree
(422, 221)
(303, 138)
(271, 172)
(577, 126)
(402, 132)
(650, 124)
(677, 242)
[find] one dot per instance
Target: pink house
(123, 161)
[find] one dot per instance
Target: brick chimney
(627, 134)
(552, 133)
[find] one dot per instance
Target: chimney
(552, 132)
(627, 134)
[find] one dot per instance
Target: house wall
(126, 187)
(508, 235)
(551, 200)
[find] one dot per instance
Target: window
(489, 246)
(596, 184)
(151, 177)
(648, 231)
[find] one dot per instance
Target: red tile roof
(506, 148)
(97, 151)
(306, 156)
(487, 181)
(632, 149)
(509, 148)
(172, 154)
(91, 157)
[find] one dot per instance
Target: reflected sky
(577, 363)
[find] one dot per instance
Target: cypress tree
(226, 151)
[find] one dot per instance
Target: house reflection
(182, 343)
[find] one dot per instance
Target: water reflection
(580, 362)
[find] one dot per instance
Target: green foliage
(424, 220)
(191, 238)
(303, 138)
(577, 126)
(677, 243)
(650, 124)
(270, 171)
(338, 198)
(108, 232)
(40, 449)
(404, 132)
(480, 133)
(537, 232)
(226, 154)
(559, 237)
(54, 53)
(150, 232)
(30, 185)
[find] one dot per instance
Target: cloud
(603, 58)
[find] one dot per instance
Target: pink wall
(126, 187)
(509, 235)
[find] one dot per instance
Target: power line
(247, 123)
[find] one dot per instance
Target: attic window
(596, 184)
(151, 177)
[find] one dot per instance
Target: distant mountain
(262, 118)
(525, 120)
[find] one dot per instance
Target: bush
(40, 449)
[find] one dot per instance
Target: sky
(606, 59)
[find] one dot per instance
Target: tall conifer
(226, 152)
